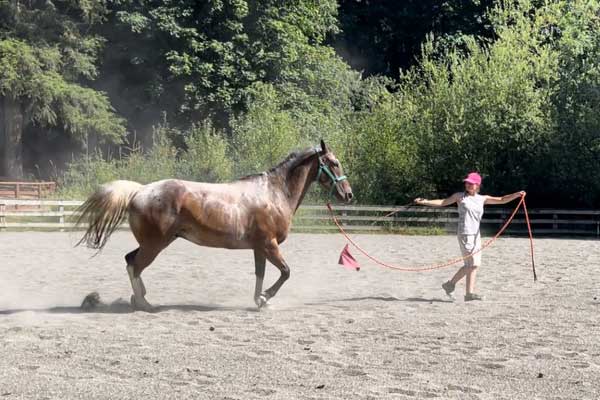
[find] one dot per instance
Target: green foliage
(380, 154)
(159, 162)
(264, 135)
(206, 157)
(480, 111)
(202, 57)
(46, 57)
(509, 88)
(572, 153)
(385, 36)
(33, 75)
(61, 27)
(477, 107)
(83, 175)
(520, 107)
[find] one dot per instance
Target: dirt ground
(330, 333)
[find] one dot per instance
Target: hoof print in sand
(464, 389)
(405, 392)
(492, 366)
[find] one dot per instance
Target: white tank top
(470, 211)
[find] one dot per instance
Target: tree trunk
(11, 134)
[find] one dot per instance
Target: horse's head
(331, 175)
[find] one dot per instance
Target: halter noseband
(324, 168)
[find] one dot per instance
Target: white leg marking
(139, 291)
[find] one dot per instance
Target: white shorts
(470, 244)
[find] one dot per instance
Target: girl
(470, 211)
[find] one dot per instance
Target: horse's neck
(299, 181)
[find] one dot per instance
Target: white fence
(56, 215)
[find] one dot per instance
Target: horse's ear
(324, 149)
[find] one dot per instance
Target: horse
(254, 212)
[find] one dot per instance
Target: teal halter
(323, 168)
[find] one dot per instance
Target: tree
(200, 59)
(569, 168)
(45, 61)
(385, 36)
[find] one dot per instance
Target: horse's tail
(104, 211)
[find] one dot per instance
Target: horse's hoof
(261, 301)
(142, 305)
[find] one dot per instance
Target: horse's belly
(214, 239)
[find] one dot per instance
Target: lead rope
(530, 240)
(447, 263)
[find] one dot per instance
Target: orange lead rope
(447, 263)
(530, 239)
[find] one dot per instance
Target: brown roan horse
(254, 212)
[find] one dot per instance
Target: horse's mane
(289, 163)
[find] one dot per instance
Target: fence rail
(26, 190)
(57, 215)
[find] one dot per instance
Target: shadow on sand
(93, 305)
(384, 298)
(125, 308)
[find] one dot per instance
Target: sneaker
(448, 288)
(473, 296)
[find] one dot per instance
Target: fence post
(17, 194)
(61, 218)
(2, 217)
(555, 224)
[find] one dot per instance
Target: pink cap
(473, 178)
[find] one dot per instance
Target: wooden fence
(26, 190)
(56, 215)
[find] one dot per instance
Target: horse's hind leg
(137, 261)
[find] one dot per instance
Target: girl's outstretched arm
(438, 202)
(504, 199)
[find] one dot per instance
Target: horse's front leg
(259, 270)
(274, 256)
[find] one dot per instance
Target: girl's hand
(420, 201)
(521, 193)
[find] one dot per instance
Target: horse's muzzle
(348, 197)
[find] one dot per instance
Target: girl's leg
(459, 275)
(450, 285)
(466, 248)
(471, 273)
(475, 263)
(468, 244)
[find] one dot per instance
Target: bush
(264, 135)
(206, 157)
(84, 175)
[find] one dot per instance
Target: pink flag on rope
(347, 260)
